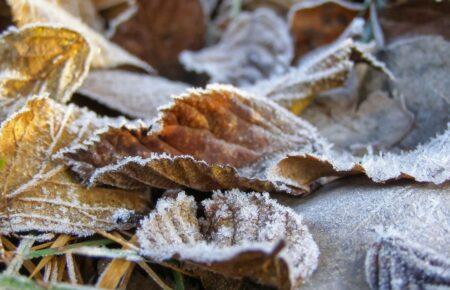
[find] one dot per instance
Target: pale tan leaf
(256, 45)
(134, 94)
(241, 235)
(319, 73)
(40, 60)
(84, 10)
(41, 194)
(106, 53)
(214, 138)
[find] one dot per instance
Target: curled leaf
(134, 94)
(247, 51)
(41, 194)
(316, 23)
(241, 235)
(393, 264)
(216, 138)
(347, 216)
(160, 30)
(106, 53)
(40, 59)
(324, 71)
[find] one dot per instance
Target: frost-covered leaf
(256, 45)
(134, 94)
(214, 138)
(422, 85)
(160, 30)
(394, 264)
(106, 53)
(379, 121)
(347, 216)
(315, 23)
(41, 194)
(321, 72)
(241, 235)
(40, 59)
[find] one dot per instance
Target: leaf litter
(388, 120)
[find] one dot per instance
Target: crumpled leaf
(106, 53)
(322, 72)
(242, 235)
(393, 264)
(418, 17)
(161, 30)
(216, 138)
(347, 216)
(423, 84)
(315, 23)
(256, 45)
(41, 194)
(40, 59)
(134, 94)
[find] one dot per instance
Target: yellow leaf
(106, 53)
(41, 194)
(40, 59)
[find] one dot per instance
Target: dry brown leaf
(106, 53)
(241, 235)
(315, 23)
(256, 45)
(134, 94)
(216, 138)
(323, 71)
(417, 17)
(41, 194)
(161, 30)
(40, 60)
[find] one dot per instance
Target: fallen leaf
(83, 10)
(106, 53)
(40, 60)
(393, 263)
(247, 51)
(41, 194)
(422, 84)
(418, 17)
(213, 138)
(324, 71)
(161, 30)
(317, 23)
(241, 235)
(380, 121)
(347, 216)
(134, 94)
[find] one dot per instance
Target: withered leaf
(214, 138)
(393, 264)
(106, 53)
(241, 235)
(324, 71)
(316, 23)
(422, 84)
(247, 51)
(83, 10)
(41, 194)
(160, 30)
(347, 216)
(40, 60)
(134, 94)
(418, 17)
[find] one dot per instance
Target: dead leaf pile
(196, 144)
